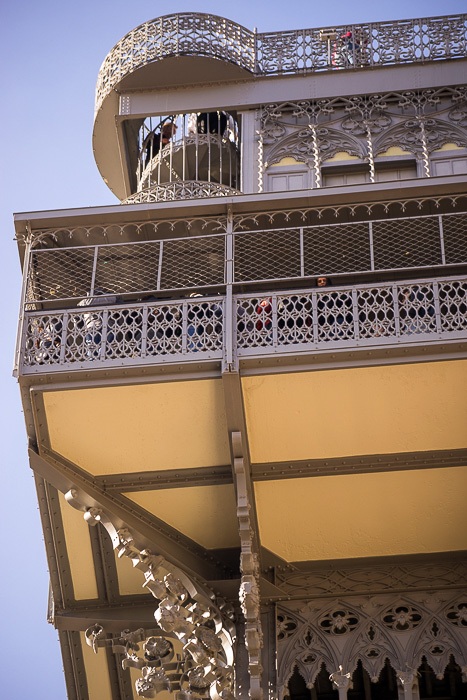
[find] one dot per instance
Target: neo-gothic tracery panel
(363, 132)
(404, 630)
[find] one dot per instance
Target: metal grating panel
(336, 249)
(267, 255)
(406, 243)
(124, 268)
(455, 238)
(60, 274)
(195, 262)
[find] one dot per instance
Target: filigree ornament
(402, 618)
(184, 612)
(184, 189)
(401, 635)
(249, 595)
(339, 621)
(285, 626)
(457, 615)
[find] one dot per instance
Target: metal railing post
(229, 312)
(441, 239)
(372, 252)
(356, 328)
(63, 337)
(395, 298)
(439, 328)
(302, 254)
(144, 331)
(93, 274)
(103, 343)
(21, 329)
(159, 265)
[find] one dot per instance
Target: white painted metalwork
(289, 322)
(403, 630)
(196, 34)
(258, 255)
(183, 34)
(186, 189)
(187, 155)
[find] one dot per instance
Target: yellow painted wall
(394, 151)
(341, 155)
(97, 672)
(371, 410)
(173, 425)
(78, 544)
(288, 160)
(364, 515)
(206, 514)
(449, 147)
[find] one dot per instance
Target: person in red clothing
(264, 311)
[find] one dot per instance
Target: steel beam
(154, 534)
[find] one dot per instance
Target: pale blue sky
(50, 56)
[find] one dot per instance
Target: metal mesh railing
(275, 254)
(287, 322)
(372, 44)
(182, 34)
(126, 268)
(335, 249)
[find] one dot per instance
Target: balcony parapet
(289, 52)
(185, 189)
(273, 323)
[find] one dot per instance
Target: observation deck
(234, 292)
(280, 297)
(215, 60)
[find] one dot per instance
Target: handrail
(274, 53)
(290, 322)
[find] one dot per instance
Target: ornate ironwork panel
(376, 44)
(360, 315)
(286, 321)
(183, 34)
(401, 629)
(185, 189)
(303, 50)
(132, 332)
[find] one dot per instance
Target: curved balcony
(187, 189)
(197, 34)
(182, 34)
(189, 49)
(188, 156)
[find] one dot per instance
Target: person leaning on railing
(92, 322)
(156, 141)
(334, 312)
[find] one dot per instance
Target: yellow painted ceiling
(370, 410)
(173, 425)
(78, 545)
(206, 514)
(364, 515)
